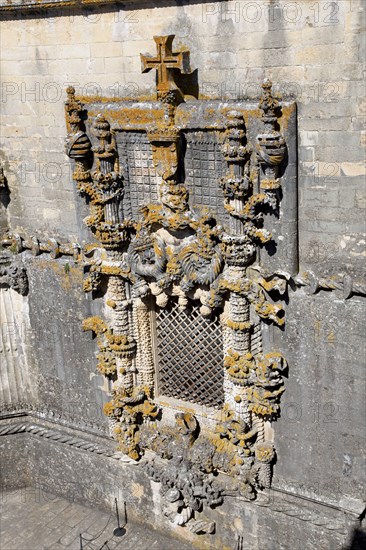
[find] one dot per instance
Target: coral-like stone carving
(186, 483)
(13, 275)
(129, 408)
(180, 252)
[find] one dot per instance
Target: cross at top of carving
(165, 62)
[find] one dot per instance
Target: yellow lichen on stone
(95, 324)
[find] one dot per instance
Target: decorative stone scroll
(175, 265)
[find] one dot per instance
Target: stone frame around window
(177, 250)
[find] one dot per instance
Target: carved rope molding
(59, 437)
(343, 284)
(19, 408)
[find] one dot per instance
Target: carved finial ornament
(166, 62)
(271, 146)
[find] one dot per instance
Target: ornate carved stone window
(194, 208)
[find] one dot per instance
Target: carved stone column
(123, 345)
(106, 175)
(236, 185)
(144, 354)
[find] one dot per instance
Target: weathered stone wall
(313, 52)
(280, 521)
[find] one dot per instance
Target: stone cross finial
(165, 61)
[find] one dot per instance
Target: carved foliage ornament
(180, 251)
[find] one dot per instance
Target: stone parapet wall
(98, 478)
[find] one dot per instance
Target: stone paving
(33, 520)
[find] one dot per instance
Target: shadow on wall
(358, 540)
(4, 197)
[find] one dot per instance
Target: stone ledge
(277, 500)
(41, 455)
(56, 435)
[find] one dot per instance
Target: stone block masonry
(314, 53)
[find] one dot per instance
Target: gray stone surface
(63, 356)
(32, 519)
(319, 435)
(279, 520)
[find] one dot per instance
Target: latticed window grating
(190, 356)
(203, 162)
(141, 183)
(204, 166)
